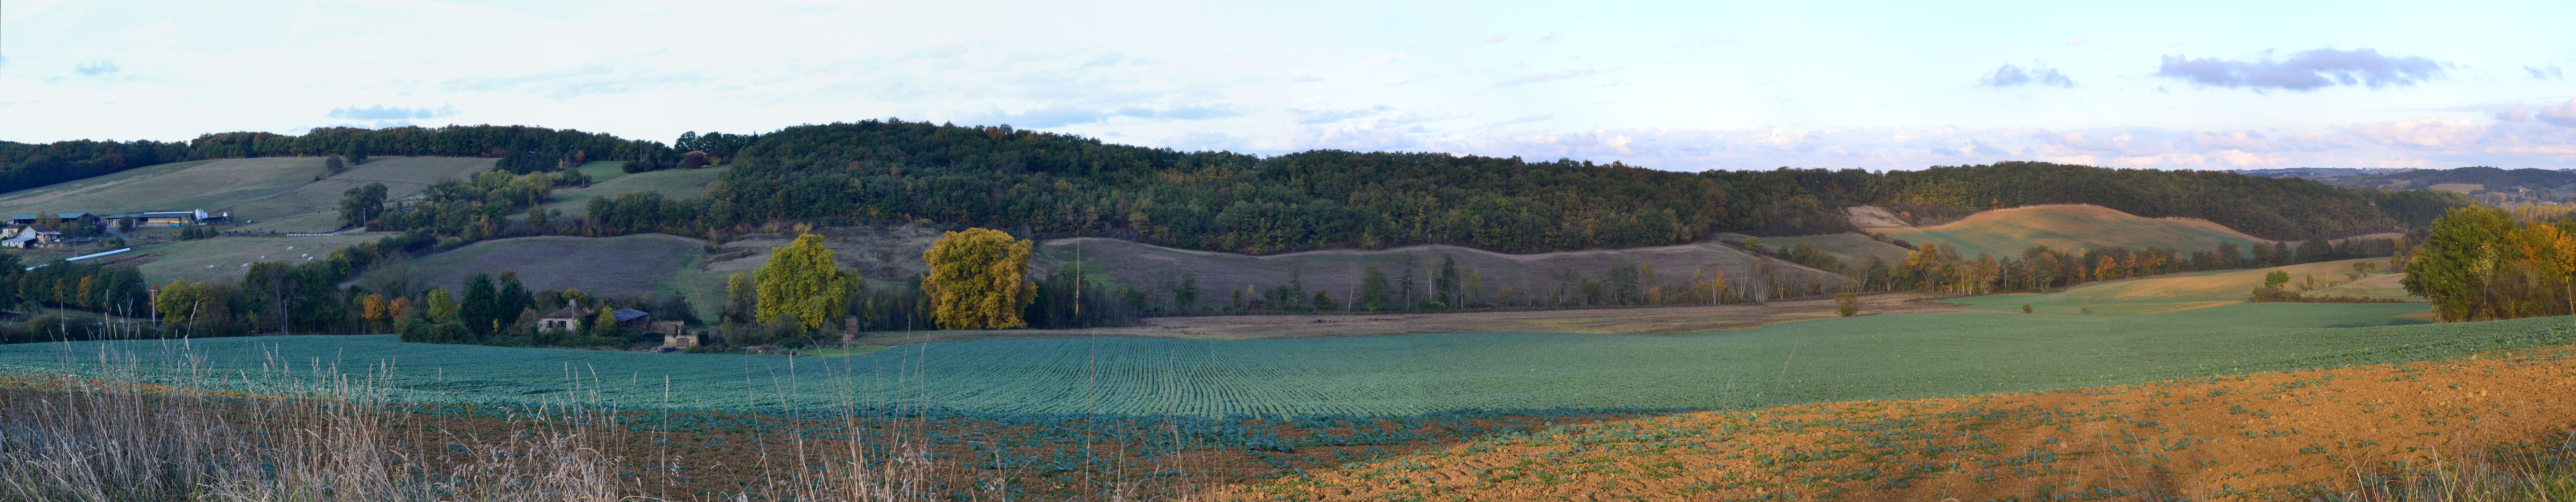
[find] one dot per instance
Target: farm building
(71, 218)
(564, 319)
(29, 236)
(171, 218)
(631, 317)
(675, 334)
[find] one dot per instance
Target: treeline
(2479, 263)
(522, 149)
(1052, 185)
(24, 165)
(1939, 268)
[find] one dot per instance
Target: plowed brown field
(2259, 437)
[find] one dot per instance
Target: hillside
(615, 266)
(2005, 232)
(2194, 290)
(671, 183)
(1504, 277)
(281, 193)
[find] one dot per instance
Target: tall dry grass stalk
(2548, 475)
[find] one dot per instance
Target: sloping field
(2268, 436)
(2192, 290)
(2005, 232)
(632, 264)
(1339, 271)
(253, 189)
(295, 210)
(1869, 357)
(204, 184)
(671, 183)
(222, 258)
(1851, 248)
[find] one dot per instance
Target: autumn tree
(2458, 261)
(802, 279)
(978, 280)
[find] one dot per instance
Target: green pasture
(1867, 357)
(203, 184)
(671, 183)
(222, 257)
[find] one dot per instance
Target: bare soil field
(632, 264)
(1849, 247)
(1615, 321)
(1503, 277)
(2005, 232)
(2267, 436)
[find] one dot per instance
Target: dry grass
(2005, 232)
(2494, 428)
(630, 264)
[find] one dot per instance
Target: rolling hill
(1528, 276)
(280, 193)
(671, 183)
(2167, 293)
(632, 264)
(2005, 232)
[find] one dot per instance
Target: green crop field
(1866, 357)
(2068, 227)
(2166, 293)
(671, 183)
(641, 263)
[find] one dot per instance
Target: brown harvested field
(1849, 247)
(2005, 232)
(2457, 187)
(1617, 321)
(2268, 436)
(1504, 277)
(632, 264)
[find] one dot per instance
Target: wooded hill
(1057, 185)
(1063, 185)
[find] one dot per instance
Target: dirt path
(1621, 321)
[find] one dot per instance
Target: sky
(1686, 86)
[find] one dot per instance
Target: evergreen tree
(481, 308)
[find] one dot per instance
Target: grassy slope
(644, 263)
(1339, 271)
(280, 192)
(671, 183)
(314, 207)
(205, 184)
(2069, 227)
(1869, 357)
(2187, 291)
(189, 259)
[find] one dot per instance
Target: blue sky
(1680, 86)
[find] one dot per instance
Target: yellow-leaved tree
(802, 279)
(978, 280)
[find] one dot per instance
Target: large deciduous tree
(802, 279)
(2458, 261)
(978, 280)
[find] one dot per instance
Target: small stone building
(565, 319)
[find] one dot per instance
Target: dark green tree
(481, 306)
(1373, 288)
(362, 204)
